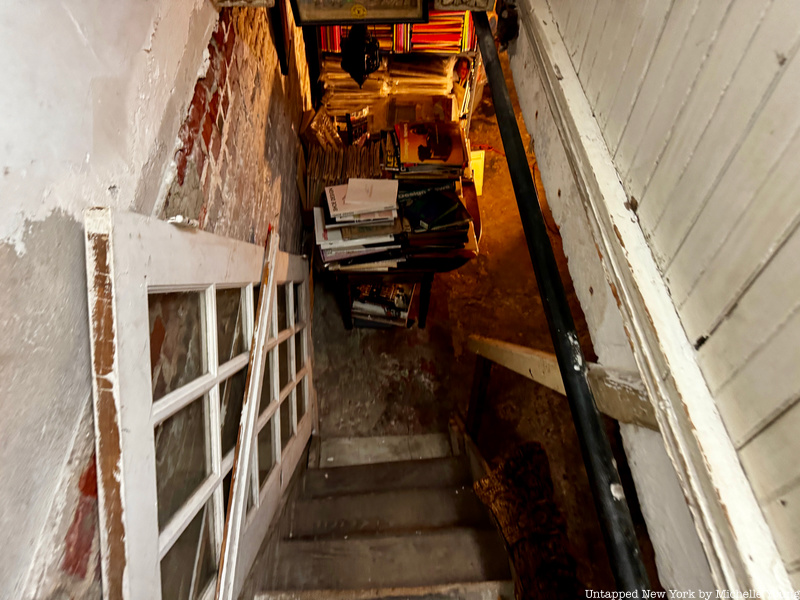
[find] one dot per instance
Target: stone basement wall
(233, 169)
(236, 162)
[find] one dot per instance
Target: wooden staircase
(410, 528)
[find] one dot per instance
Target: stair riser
(388, 512)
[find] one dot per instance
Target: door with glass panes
(172, 322)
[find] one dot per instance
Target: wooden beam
(619, 394)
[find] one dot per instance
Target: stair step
(435, 558)
(483, 590)
(342, 452)
(391, 511)
(433, 472)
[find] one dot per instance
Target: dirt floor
(385, 382)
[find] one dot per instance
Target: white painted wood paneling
(641, 147)
(581, 18)
(765, 386)
(760, 313)
(766, 458)
(699, 106)
(749, 168)
(783, 514)
(730, 125)
(611, 52)
(613, 115)
(745, 250)
(654, 86)
(595, 40)
(734, 37)
(741, 551)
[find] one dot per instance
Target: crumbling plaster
(679, 557)
(93, 96)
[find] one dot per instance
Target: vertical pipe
(612, 508)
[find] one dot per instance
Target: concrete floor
(389, 382)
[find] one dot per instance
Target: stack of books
(429, 150)
(332, 166)
(332, 36)
(382, 305)
(436, 219)
(446, 32)
(356, 227)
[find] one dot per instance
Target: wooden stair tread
(481, 590)
(446, 556)
(389, 511)
(349, 451)
(432, 472)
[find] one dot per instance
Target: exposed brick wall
(237, 149)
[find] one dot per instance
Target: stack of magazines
(356, 227)
(381, 305)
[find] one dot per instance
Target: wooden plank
(771, 376)
(763, 229)
(357, 479)
(636, 158)
(482, 590)
(342, 452)
(243, 453)
(771, 134)
(595, 40)
(770, 458)
(578, 11)
(395, 511)
(613, 113)
(734, 37)
(576, 41)
(448, 556)
(272, 500)
(620, 395)
(783, 514)
(765, 60)
(621, 25)
(760, 314)
(653, 88)
(740, 548)
(560, 10)
(539, 366)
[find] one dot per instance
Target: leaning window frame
(129, 256)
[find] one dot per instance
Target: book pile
(391, 38)
(429, 150)
(333, 166)
(437, 222)
(398, 75)
(382, 305)
(357, 226)
(446, 32)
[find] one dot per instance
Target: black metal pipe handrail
(612, 508)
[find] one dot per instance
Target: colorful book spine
(447, 32)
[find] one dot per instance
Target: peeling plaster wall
(92, 100)
(679, 557)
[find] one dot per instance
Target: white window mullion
(181, 519)
(214, 427)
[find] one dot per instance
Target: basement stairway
(391, 517)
